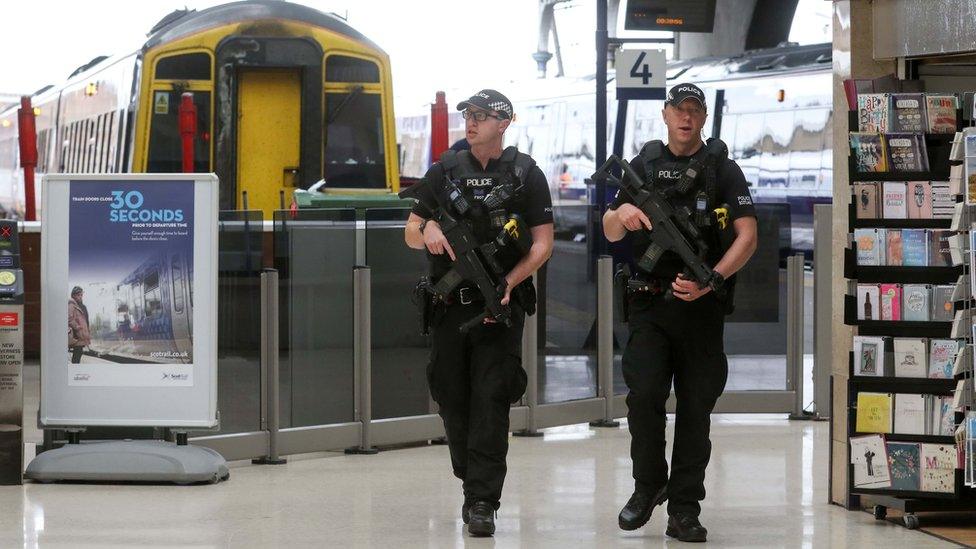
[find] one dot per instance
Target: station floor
(766, 488)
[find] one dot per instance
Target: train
(772, 107)
(148, 315)
(285, 95)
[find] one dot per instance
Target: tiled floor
(766, 488)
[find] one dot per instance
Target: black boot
(685, 528)
(466, 512)
(638, 509)
(482, 519)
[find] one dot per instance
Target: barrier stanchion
(530, 361)
(270, 413)
(604, 304)
(362, 356)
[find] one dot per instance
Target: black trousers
(474, 378)
(680, 342)
(76, 353)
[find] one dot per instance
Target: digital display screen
(670, 15)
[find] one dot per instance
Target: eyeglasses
(480, 116)
(694, 112)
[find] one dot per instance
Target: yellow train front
(286, 96)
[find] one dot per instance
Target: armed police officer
(499, 199)
(679, 337)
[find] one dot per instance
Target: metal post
(794, 333)
(604, 305)
(822, 296)
(530, 361)
(602, 44)
(361, 356)
(269, 365)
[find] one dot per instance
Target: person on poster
(79, 332)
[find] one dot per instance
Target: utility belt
(626, 286)
(465, 295)
(427, 302)
(649, 286)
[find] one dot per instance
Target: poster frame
(66, 405)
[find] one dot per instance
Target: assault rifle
(471, 264)
(672, 229)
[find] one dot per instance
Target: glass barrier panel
(755, 333)
(240, 246)
(400, 352)
(315, 252)
(567, 309)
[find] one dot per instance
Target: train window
(747, 150)
(151, 293)
(178, 285)
(806, 148)
(827, 157)
(189, 66)
(42, 140)
(342, 68)
(776, 140)
(123, 316)
(727, 133)
(355, 155)
(165, 145)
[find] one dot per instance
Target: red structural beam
(438, 127)
(188, 129)
(27, 136)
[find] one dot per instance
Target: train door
(269, 135)
(267, 121)
(181, 309)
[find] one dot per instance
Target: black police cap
(680, 92)
(489, 100)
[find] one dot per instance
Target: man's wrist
(717, 281)
(423, 225)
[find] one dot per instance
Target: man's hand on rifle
(632, 218)
(686, 289)
(505, 300)
(435, 240)
(508, 292)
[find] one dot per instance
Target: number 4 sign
(641, 74)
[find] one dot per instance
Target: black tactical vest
(681, 179)
(464, 171)
(693, 185)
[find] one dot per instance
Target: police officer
(679, 339)
(476, 376)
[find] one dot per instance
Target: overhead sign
(670, 15)
(129, 284)
(641, 74)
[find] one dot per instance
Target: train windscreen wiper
(354, 93)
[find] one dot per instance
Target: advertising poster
(130, 283)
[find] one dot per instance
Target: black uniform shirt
(534, 203)
(732, 190)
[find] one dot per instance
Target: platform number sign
(641, 74)
(641, 69)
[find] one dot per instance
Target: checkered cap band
(489, 100)
(501, 106)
